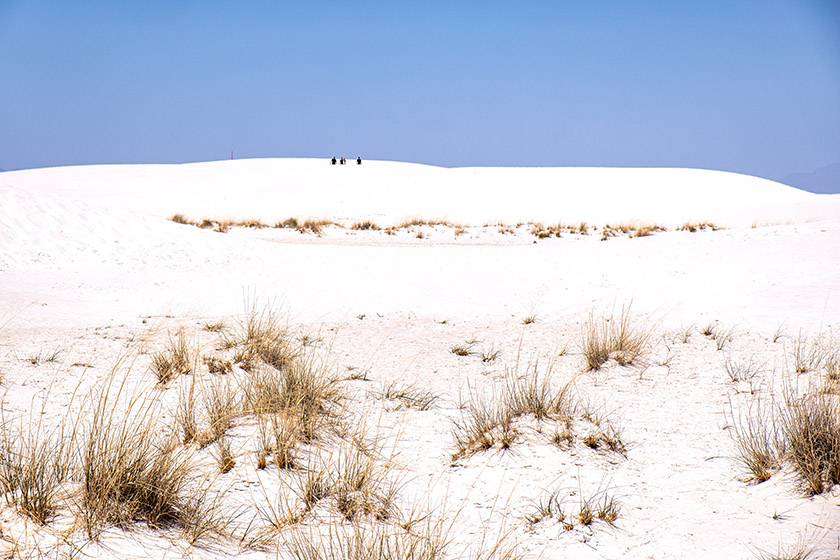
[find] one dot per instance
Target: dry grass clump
(602, 505)
(542, 231)
(130, 470)
(173, 361)
(800, 550)
(181, 219)
(369, 542)
(44, 357)
(811, 425)
(214, 326)
(759, 442)
(279, 437)
(804, 431)
(414, 222)
(265, 337)
(221, 405)
(490, 420)
(465, 349)
(489, 354)
(224, 455)
(365, 225)
(288, 223)
(646, 230)
(814, 355)
(630, 230)
(409, 396)
(721, 335)
(698, 226)
(739, 370)
(359, 484)
(308, 225)
(217, 365)
(33, 467)
(315, 226)
(616, 338)
(302, 396)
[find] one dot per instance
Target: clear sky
(751, 86)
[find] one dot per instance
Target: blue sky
(738, 85)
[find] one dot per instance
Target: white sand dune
(90, 266)
(386, 192)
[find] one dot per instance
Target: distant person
(343, 161)
(332, 161)
(358, 161)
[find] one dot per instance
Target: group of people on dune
(343, 161)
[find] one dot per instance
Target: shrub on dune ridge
(698, 226)
(365, 226)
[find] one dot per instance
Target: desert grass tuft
(224, 455)
(465, 349)
(697, 226)
(33, 467)
(811, 426)
(44, 357)
(488, 420)
(758, 442)
(181, 219)
(617, 338)
(371, 542)
(365, 226)
(130, 470)
(810, 356)
(409, 396)
(174, 360)
(739, 370)
(214, 326)
(217, 365)
(556, 505)
(490, 354)
(266, 336)
(221, 405)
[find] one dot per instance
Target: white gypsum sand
(96, 283)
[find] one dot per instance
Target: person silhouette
(358, 161)
(332, 161)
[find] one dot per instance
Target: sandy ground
(95, 277)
